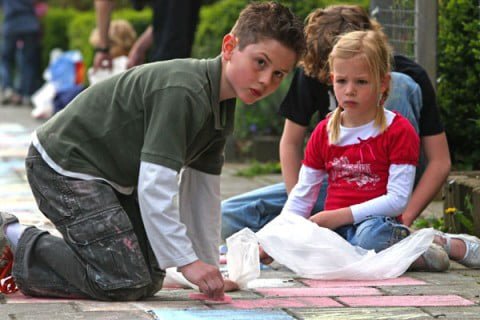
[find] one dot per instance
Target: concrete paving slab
(406, 301)
(318, 292)
(19, 297)
(103, 315)
(91, 305)
(401, 281)
(33, 308)
(467, 313)
(152, 304)
(433, 278)
(468, 292)
(361, 314)
(290, 302)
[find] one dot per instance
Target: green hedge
(55, 25)
(217, 19)
(70, 29)
(459, 79)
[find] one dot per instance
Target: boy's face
(256, 71)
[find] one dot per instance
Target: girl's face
(355, 90)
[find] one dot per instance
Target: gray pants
(104, 253)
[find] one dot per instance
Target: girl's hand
(333, 219)
(264, 257)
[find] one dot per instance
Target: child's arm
(303, 196)
(333, 219)
(157, 193)
(399, 188)
(138, 52)
(103, 10)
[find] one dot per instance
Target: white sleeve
(157, 193)
(200, 212)
(399, 189)
(304, 195)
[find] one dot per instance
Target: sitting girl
(368, 153)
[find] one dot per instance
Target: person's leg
(379, 233)
(463, 248)
(253, 209)
(99, 256)
(174, 25)
(256, 208)
(8, 61)
(30, 64)
(375, 233)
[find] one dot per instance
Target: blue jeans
(375, 233)
(104, 253)
(258, 207)
(29, 63)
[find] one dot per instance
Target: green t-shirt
(167, 113)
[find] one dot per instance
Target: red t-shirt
(359, 172)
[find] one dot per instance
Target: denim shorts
(375, 233)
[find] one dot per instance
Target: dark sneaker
(472, 255)
(435, 259)
(7, 283)
(5, 218)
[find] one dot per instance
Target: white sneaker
(472, 254)
(435, 259)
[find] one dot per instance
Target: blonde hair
(375, 50)
(322, 28)
(121, 36)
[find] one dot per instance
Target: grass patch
(257, 169)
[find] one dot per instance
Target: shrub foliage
(459, 79)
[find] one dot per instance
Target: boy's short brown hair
(322, 29)
(269, 20)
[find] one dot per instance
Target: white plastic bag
(42, 101)
(319, 253)
(243, 261)
(175, 278)
(119, 64)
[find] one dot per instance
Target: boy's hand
(207, 277)
(230, 285)
(264, 257)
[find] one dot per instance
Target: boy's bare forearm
(436, 172)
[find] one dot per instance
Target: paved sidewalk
(278, 294)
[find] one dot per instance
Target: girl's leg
(377, 233)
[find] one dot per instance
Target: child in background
(368, 153)
(122, 36)
(129, 171)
